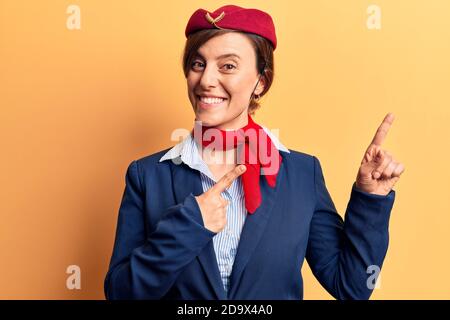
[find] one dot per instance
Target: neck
(220, 158)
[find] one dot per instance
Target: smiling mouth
(209, 101)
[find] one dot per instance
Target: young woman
(237, 222)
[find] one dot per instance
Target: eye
(229, 66)
(197, 64)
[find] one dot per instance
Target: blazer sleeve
(146, 266)
(343, 255)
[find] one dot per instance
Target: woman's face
(221, 80)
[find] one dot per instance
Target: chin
(209, 120)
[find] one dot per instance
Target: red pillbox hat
(235, 18)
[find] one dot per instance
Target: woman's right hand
(213, 205)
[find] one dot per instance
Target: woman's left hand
(379, 171)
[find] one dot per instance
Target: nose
(209, 78)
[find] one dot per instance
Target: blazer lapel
(186, 180)
(253, 230)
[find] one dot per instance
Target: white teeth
(211, 100)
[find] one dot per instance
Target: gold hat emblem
(214, 21)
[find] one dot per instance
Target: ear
(261, 85)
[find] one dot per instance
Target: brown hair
(263, 50)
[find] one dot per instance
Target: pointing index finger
(383, 129)
(228, 179)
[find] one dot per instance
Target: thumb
(380, 160)
(373, 158)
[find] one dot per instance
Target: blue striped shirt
(225, 242)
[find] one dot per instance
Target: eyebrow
(227, 55)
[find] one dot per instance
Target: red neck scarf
(255, 149)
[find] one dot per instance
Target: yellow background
(77, 106)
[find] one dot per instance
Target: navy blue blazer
(163, 251)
